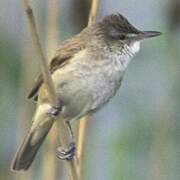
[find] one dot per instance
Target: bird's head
(118, 29)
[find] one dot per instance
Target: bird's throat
(135, 47)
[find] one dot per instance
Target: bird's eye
(122, 37)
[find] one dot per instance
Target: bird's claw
(66, 154)
(54, 112)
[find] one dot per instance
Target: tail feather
(28, 149)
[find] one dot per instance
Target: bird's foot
(66, 154)
(55, 110)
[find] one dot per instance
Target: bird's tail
(30, 145)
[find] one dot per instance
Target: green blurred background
(136, 136)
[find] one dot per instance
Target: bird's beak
(148, 34)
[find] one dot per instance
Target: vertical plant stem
(64, 136)
(94, 11)
(82, 130)
(39, 52)
(52, 170)
(52, 28)
(83, 122)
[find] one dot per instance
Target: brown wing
(35, 87)
(64, 53)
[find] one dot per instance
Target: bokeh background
(136, 136)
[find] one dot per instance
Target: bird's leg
(67, 154)
(64, 154)
(70, 131)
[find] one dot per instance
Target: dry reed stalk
(70, 165)
(52, 170)
(83, 122)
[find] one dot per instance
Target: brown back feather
(64, 53)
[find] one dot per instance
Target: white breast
(135, 47)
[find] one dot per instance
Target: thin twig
(54, 168)
(82, 130)
(71, 167)
(52, 28)
(83, 122)
(41, 57)
(94, 11)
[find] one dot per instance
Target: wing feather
(62, 57)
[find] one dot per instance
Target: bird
(87, 70)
